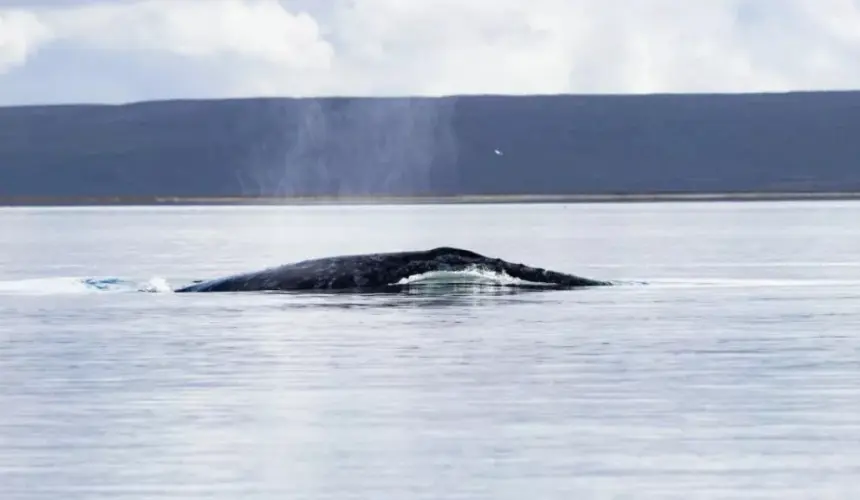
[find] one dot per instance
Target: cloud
(20, 33)
(258, 30)
(246, 47)
(229, 48)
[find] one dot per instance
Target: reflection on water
(438, 294)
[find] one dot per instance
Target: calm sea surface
(726, 364)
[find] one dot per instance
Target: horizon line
(335, 200)
(264, 97)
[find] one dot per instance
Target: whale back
(379, 270)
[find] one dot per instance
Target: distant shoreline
(627, 147)
(23, 201)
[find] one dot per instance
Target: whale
(380, 272)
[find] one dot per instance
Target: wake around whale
(381, 272)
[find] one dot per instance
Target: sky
(114, 51)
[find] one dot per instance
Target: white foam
(44, 286)
(156, 285)
(77, 285)
(471, 276)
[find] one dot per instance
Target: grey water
(725, 364)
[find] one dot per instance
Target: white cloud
(257, 30)
(20, 33)
(432, 47)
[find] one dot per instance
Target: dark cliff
(428, 146)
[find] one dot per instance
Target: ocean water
(725, 363)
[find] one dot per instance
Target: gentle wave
(736, 265)
(74, 285)
(472, 278)
(749, 282)
(77, 285)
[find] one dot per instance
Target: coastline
(39, 201)
(627, 148)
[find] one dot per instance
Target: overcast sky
(127, 50)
